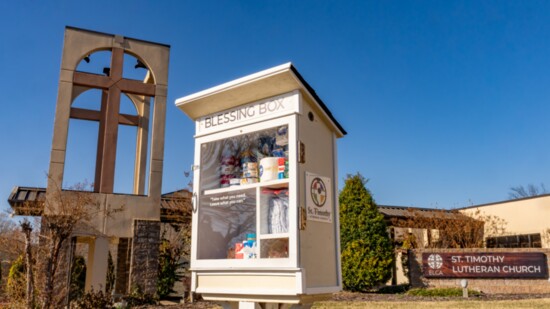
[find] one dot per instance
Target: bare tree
(26, 227)
(11, 239)
(64, 213)
(445, 229)
(529, 191)
(453, 229)
(546, 237)
(12, 244)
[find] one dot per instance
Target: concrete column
(96, 268)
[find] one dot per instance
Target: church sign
(485, 265)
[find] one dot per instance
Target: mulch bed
(356, 297)
(198, 304)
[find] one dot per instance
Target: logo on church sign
(485, 265)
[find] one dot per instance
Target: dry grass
(525, 303)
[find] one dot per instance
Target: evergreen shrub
(367, 251)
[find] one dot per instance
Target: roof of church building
(409, 212)
(507, 201)
(29, 201)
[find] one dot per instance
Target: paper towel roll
(269, 169)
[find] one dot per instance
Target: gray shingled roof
(29, 201)
(406, 212)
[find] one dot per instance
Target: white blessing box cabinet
(265, 194)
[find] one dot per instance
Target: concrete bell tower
(132, 231)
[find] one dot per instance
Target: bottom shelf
(275, 248)
(239, 284)
(271, 248)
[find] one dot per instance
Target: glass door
(243, 211)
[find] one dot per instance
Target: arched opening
(149, 135)
(99, 63)
(133, 68)
(95, 63)
(81, 151)
(126, 150)
(121, 110)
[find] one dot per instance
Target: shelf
(273, 184)
(274, 236)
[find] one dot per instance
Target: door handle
(194, 202)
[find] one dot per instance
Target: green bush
(138, 298)
(173, 259)
(367, 252)
(17, 280)
(78, 278)
(168, 269)
(111, 276)
(441, 292)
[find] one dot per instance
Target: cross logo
(318, 192)
(435, 261)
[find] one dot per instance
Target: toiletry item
(281, 168)
(269, 169)
(238, 250)
(249, 249)
(286, 169)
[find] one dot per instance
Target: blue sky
(446, 103)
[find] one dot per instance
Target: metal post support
(249, 305)
(464, 284)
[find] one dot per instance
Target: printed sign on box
(318, 198)
(281, 105)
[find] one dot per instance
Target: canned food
(250, 169)
(249, 180)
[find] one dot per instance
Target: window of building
(515, 241)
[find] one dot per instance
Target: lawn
(489, 304)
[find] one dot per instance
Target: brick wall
(123, 266)
(489, 286)
(145, 255)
